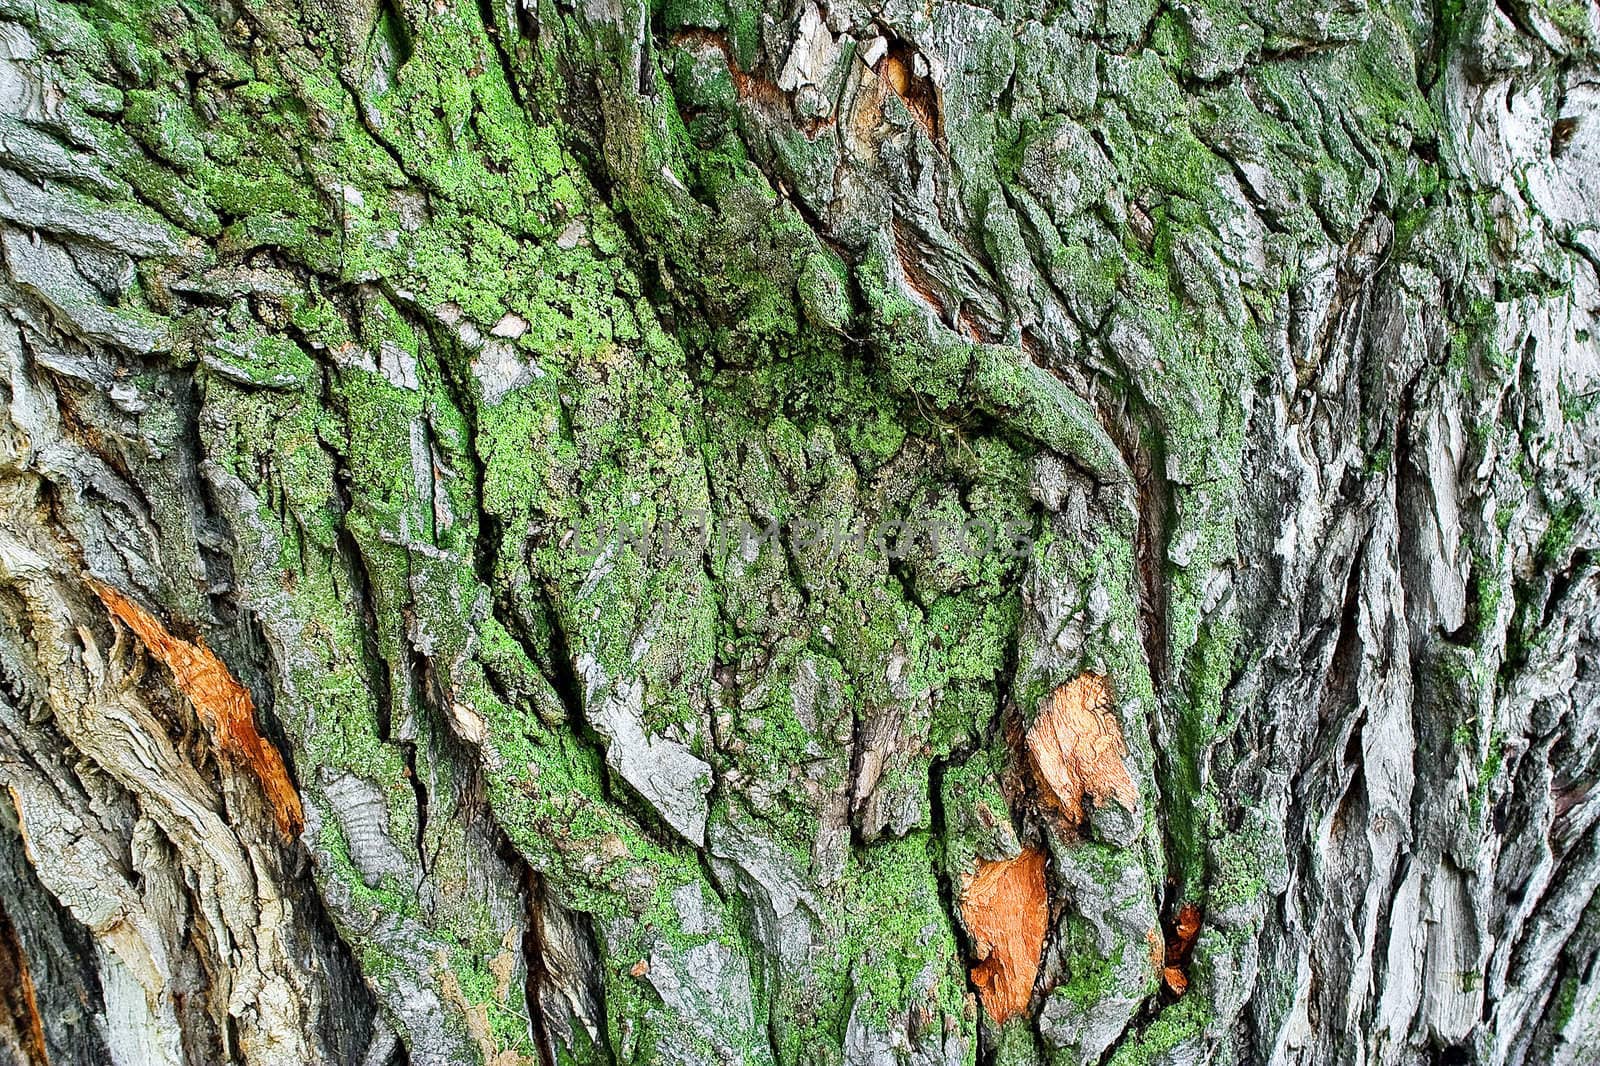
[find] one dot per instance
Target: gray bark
(630, 533)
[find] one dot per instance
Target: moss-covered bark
(653, 466)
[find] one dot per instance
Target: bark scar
(1076, 749)
(919, 93)
(1181, 935)
(224, 705)
(1005, 908)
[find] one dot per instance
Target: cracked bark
(491, 430)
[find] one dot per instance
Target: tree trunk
(710, 533)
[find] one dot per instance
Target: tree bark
(706, 532)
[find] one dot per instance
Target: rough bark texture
(576, 533)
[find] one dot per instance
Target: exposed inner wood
(1076, 750)
(224, 706)
(920, 95)
(1005, 906)
(1180, 943)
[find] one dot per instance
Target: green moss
(1237, 877)
(1181, 1023)
(1017, 1046)
(1488, 775)
(390, 898)
(1566, 1001)
(165, 126)
(896, 930)
(1555, 545)
(1090, 977)
(502, 1005)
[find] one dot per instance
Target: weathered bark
(700, 532)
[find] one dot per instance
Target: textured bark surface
(600, 533)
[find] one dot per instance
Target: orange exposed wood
(1187, 929)
(224, 705)
(1076, 749)
(1175, 979)
(920, 96)
(1180, 942)
(1006, 910)
(1157, 948)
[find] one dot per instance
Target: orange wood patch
(1076, 749)
(1188, 928)
(1178, 946)
(1005, 908)
(920, 96)
(1157, 948)
(1175, 979)
(224, 705)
